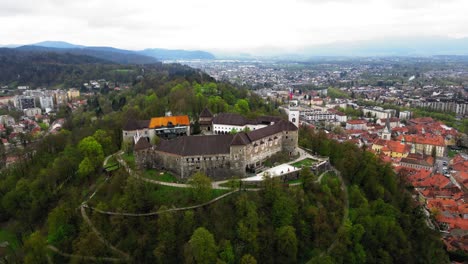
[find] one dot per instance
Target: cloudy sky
(227, 25)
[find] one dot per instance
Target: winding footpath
(125, 257)
(100, 237)
(163, 211)
(81, 257)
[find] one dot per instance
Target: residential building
(24, 102)
(359, 124)
(73, 94)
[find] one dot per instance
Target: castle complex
(224, 154)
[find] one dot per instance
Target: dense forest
(363, 216)
(51, 69)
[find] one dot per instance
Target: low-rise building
(359, 124)
(32, 112)
(163, 127)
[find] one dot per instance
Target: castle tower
(206, 121)
(294, 116)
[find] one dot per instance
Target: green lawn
(130, 159)
(231, 184)
(159, 175)
(112, 160)
(6, 235)
(294, 181)
(304, 163)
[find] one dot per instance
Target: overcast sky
(227, 25)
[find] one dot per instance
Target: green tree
(35, 248)
(248, 259)
(286, 244)
(166, 237)
(60, 227)
(91, 148)
(247, 226)
(105, 140)
(86, 167)
(226, 253)
(201, 247)
(201, 187)
(242, 106)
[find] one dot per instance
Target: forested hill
(106, 53)
(372, 219)
(43, 67)
(33, 56)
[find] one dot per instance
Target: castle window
(286, 137)
(126, 133)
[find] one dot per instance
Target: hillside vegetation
(366, 217)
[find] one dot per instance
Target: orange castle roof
(164, 121)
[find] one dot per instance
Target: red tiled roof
(422, 120)
(437, 180)
(423, 139)
(398, 147)
(455, 223)
(355, 131)
(357, 122)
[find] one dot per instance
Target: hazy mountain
(105, 53)
(392, 47)
(166, 54)
(10, 46)
(57, 44)
(416, 46)
(129, 57)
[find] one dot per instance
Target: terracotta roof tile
(169, 120)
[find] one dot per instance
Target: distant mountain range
(415, 46)
(104, 53)
(115, 55)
